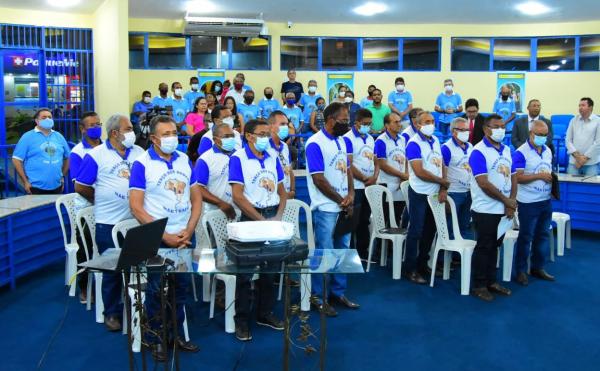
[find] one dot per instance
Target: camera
(143, 136)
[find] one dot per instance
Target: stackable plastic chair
(70, 239)
(563, 233)
(87, 214)
(396, 235)
(291, 214)
(443, 242)
(202, 242)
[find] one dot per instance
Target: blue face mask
(228, 144)
(261, 144)
(47, 124)
(539, 140)
(291, 102)
(283, 132)
(321, 107)
(94, 133)
(364, 129)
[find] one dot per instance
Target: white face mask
(348, 99)
(129, 140)
(463, 136)
(194, 86)
(427, 130)
(342, 94)
(498, 134)
(400, 87)
(147, 100)
(178, 92)
(168, 144)
(229, 121)
(312, 89)
(449, 88)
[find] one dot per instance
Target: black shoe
(242, 332)
(187, 346)
(271, 321)
(522, 279)
(483, 294)
(159, 354)
(439, 271)
(317, 304)
(112, 323)
(495, 287)
(293, 283)
(415, 277)
(542, 274)
(344, 301)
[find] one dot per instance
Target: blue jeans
(587, 170)
(421, 230)
(462, 201)
(112, 283)
(534, 222)
(324, 223)
(444, 127)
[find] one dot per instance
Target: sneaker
(271, 321)
(242, 332)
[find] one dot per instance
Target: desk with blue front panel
(580, 198)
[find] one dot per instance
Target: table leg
(171, 289)
(323, 337)
(127, 318)
(286, 320)
(140, 307)
(163, 317)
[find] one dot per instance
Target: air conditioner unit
(207, 26)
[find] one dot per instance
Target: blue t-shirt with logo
(445, 101)
(180, 109)
(309, 102)
(400, 100)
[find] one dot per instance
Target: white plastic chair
(202, 242)
(68, 203)
(563, 233)
(396, 235)
(291, 214)
(443, 242)
(87, 214)
(404, 189)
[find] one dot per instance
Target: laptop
(141, 243)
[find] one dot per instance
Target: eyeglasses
(461, 130)
(226, 136)
(262, 135)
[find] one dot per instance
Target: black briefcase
(266, 252)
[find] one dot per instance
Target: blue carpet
(546, 326)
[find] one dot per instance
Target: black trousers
(362, 212)
(265, 297)
(486, 249)
(39, 191)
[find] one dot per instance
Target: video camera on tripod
(143, 137)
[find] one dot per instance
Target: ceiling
(319, 11)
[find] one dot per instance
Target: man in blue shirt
(308, 103)
(194, 92)
(162, 100)
(141, 107)
(449, 104)
(268, 104)
(41, 157)
(180, 106)
(248, 109)
(505, 107)
(400, 101)
(368, 100)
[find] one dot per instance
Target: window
(470, 54)
(299, 53)
(340, 54)
(136, 51)
(512, 54)
(421, 54)
(166, 51)
(204, 51)
(380, 54)
(589, 53)
(556, 54)
(250, 53)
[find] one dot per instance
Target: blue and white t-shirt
(496, 164)
(409, 132)
(362, 149)
(504, 108)
(160, 101)
(366, 102)
(75, 159)
(527, 158)
(249, 111)
(400, 100)
(293, 114)
(283, 154)
(180, 108)
(191, 97)
(445, 101)
(104, 169)
(456, 160)
(267, 106)
(393, 150)
(212, 172)
(430, 154)
(309, 102)
(206, 142)
(260, 177)
(327, 155)
(166, 186)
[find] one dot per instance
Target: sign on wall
(206, 77)
(516, 82)
(337, 79)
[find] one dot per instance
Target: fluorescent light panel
(533, 8)
(370, 8)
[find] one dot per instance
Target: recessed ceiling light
(200, 6)
(63, 3)
(533, 8)
(370, 8)
(564, 61)
(553, 67)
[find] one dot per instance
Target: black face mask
(163, 91)
(340, 128)
(248, 100)
(268, 96)
(504, 97)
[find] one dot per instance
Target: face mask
(290, 102)
(46, 124)
(94, 133)
(498, 134)
(504, 97)
(178, 92)
(342, 94)
(400, 87)
(248, 100)
(169, 144)
(283, 132)
(364, 129)
(347, 99)
(217, 88)
(194, 86)
(163, 91)
(448, 88)
(321, 107)
(129, 139)
(463, 136)
(261, 144)
(147, 100)
(268, 96)
(539, 140)
(312, 89)
(340, 128)
(427, 130)
(228, 144)
(238, 86)
(229, 121)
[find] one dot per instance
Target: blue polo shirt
(430, 154)
(309, 102)
(293, 114)
(267, 106)
(42, 157)
(456, 160)
(191, 97)
(180, 108)
(159, 101)
(445, 101)
(249, 111)
(504, 108)
(77, 154)
(401, 100)
(527, 158)
(212, 173)
(140, 107)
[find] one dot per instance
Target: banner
(337, 79)
(206, 77)
(516, 82)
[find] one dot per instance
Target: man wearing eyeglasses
(256, 179)
(280, 130)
